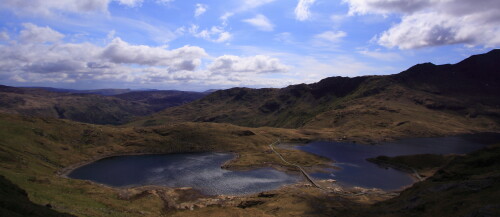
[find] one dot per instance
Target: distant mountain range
(106, 106)
(110, 92)
(104, 92)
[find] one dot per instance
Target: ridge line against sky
(206, 44)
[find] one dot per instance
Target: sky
(198, 45)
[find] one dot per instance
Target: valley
(45, 134)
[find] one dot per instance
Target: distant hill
(104, 92)
(161, 99)
(89, 108)
(424, 100)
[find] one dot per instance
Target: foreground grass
(34, 151)
(467, 186)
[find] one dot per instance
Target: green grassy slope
(161, 99)
(467, 186)
(14, 202)
(34, 150)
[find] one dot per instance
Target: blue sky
(205, 44)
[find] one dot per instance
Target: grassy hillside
(467, 186)
(425, 100)
(161, 99)
(89, 108)
(14, 202)
(33, 151)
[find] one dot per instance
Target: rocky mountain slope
(424, 100)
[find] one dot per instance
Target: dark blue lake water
(357, 171)
(201, 171)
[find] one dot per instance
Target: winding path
(312, 180)
(295, 165)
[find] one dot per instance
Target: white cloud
(427, 23)
(330, 36)
(386, 6)
(302, 10)
(4, 36)
(200, 9)
(225, 17)
(261, 22)
(215, 34)
(245, 5)
(128, 64)
(223, 36)
(38, 61)
(184, 58)
(35, 34)
(55, 7)
(51, 7)
(229, 64)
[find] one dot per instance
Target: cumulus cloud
(330, 36)
(35, 34)
(261, 22)
(51, 7)
(302, 10)
(42, 60)
(386, 6)
(229, 64)
(200, 9)
(39, 61)
(427, 23)
(215, 34)
(184, 58)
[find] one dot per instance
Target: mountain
(89, 108)
(161, 99)
(424, 100)
(104, 92)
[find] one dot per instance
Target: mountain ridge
(89, 107)
(464, 94)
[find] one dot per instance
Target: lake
(357, 171)
(201, 171)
